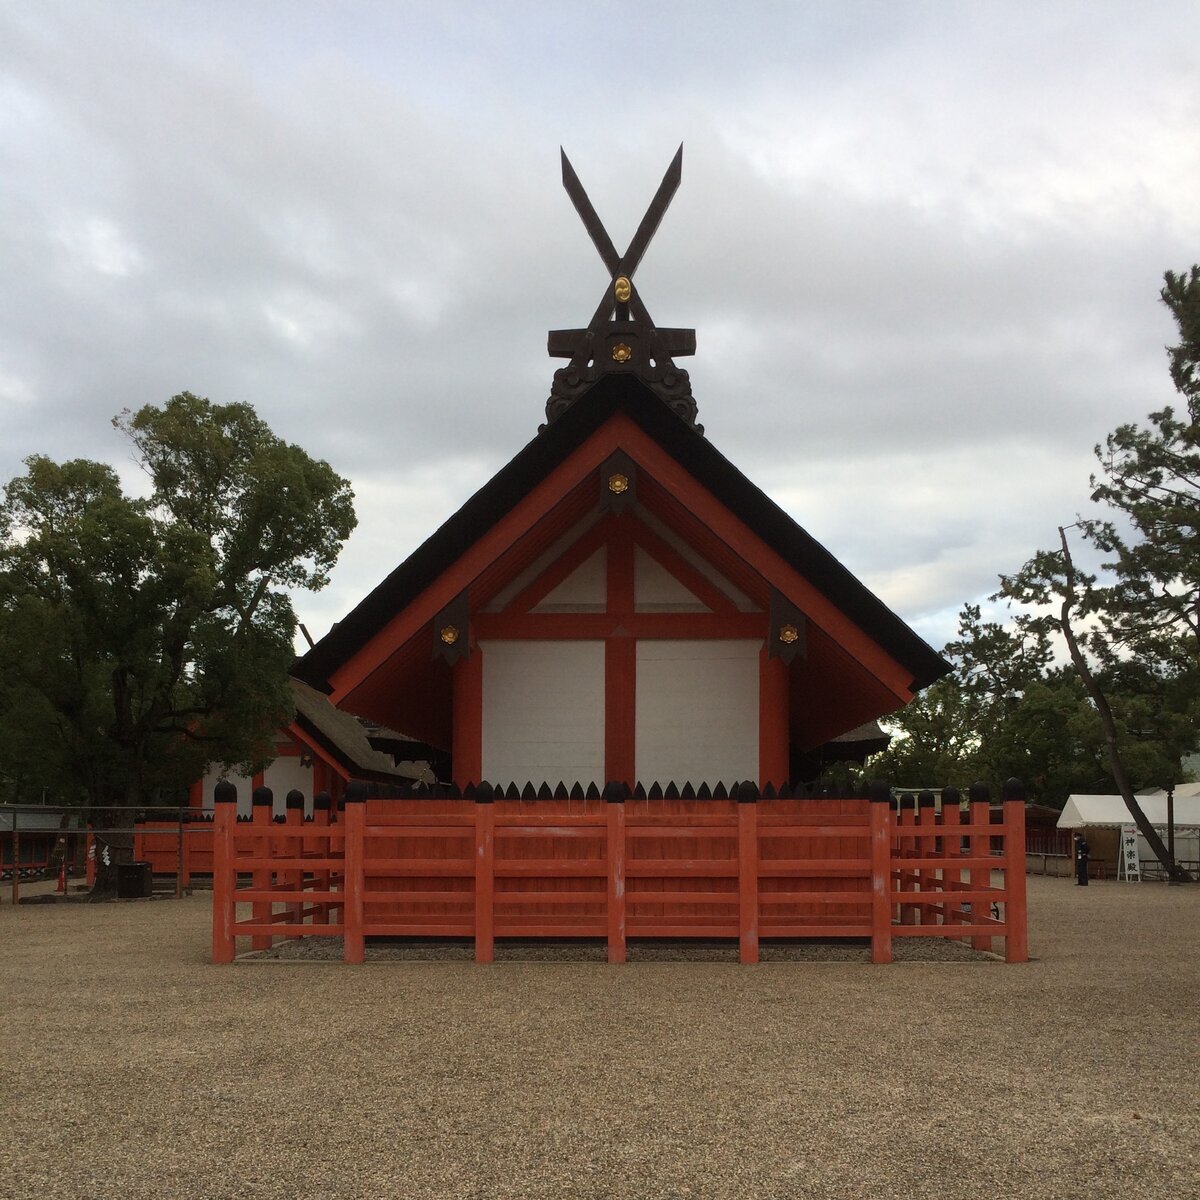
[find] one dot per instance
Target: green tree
(142, 638)
(1143, 617)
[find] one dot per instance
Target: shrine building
(619, 603)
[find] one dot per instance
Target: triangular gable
(686, 486)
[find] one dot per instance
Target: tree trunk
(1109, 725)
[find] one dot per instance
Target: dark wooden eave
(695, 454)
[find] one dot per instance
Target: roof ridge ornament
(622, 337)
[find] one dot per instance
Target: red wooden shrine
(626, 650)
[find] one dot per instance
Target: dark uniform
(1081, 860)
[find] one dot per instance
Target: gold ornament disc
(618, 483)
(621, 352)
(449, 635)
(788, 634)
(622, 288)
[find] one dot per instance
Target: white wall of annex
(543, 712)
(213, 776)
(284, 774)
(697, 711)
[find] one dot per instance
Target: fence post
(485, 874)
(880, 797)
(747, 842)
(926, 848)
(89, 857)
(322, 878)
(16, 853)
(952, 913)
(981, 877)
(614, 796)
(224, 872)
(354, 881)
(180, 861)
(1016, 934)
(294, 815)
(262, 803)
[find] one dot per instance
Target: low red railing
(615, 867)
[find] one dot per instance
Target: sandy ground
(131, 1067)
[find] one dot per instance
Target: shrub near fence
(617, 866)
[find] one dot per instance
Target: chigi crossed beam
(622, 336)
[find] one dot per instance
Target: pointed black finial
(622, 337)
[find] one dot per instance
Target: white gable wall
(697, 711)
(543, 712)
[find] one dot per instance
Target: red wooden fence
(618, 867)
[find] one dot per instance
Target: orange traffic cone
(62, 877)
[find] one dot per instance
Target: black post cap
(484, 792)
(951, 798)
(747, 792)
(294, 799)
(878, 792)
(925, 799)
(980, 793)
(263, 797)
(1014, 789)
(322, 801)
(614, 792)
(225, 793)
(356, 792)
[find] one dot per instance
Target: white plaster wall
(213, 776)
(561, 545)
(284, 774)
(543, 712)
(655, 589)
(584, 590)
(697, 711)
(741, 601)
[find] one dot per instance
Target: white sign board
(1129, 865)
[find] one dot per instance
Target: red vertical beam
(485, 876)
(881, 874)
(981, 843)
(467, 733)
(262, 802)
(614, 794)
(224, 911)
(773, 721)
(354, 882)
(620, 710)
(747, 819)
(1016, 916)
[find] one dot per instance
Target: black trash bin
(134, 880)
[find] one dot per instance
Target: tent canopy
(1093, 811)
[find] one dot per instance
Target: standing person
(1081, 860)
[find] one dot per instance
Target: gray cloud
(921, 246)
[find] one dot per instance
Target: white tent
(1110, 811)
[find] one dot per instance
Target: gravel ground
(131, 1067)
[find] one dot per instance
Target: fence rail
(618, 866)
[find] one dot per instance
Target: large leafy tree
(143, 637)
(1141, 617)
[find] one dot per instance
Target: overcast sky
(921, 245)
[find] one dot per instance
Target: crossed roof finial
(622, 337)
